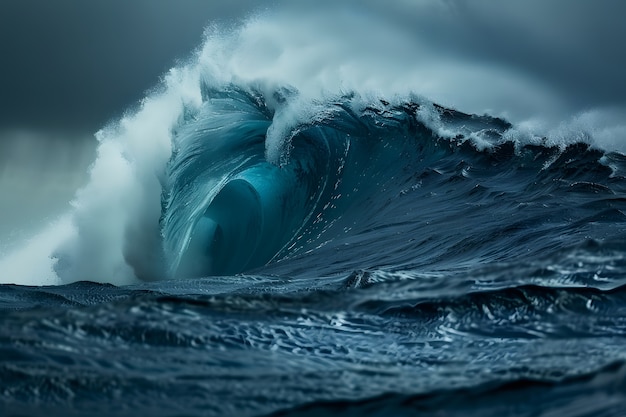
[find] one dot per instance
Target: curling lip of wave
(229, 210)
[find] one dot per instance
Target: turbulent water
(276, 253)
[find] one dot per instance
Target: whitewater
(288, 224)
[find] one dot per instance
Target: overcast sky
(75, 64)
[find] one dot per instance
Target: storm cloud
(72, 64)
(79, 63)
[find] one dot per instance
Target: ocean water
(247, 247)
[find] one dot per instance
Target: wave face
(358, 184)
(281, 252)
(240, 195)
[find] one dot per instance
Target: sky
(69, 67)
(74, 65)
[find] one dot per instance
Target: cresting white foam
(113, 233)
(30, 263)
(355, 49)
(117, 213)
(344, 50)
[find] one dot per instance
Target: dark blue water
(365, 257)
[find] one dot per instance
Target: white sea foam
(31, 262)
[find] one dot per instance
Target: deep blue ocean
(346, 254)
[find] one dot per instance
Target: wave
(251, 155)
(257, 177)
(239, 195)
(592, 394)
(254, 180)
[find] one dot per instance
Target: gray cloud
(572, 45)
(71, 63)
(79, 63)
